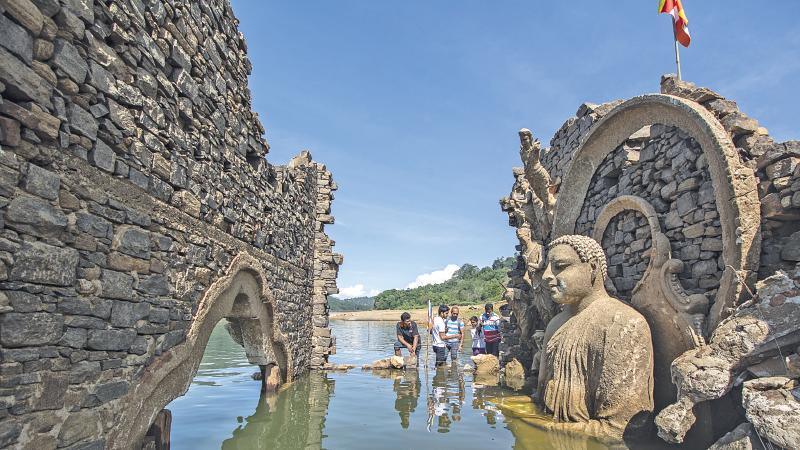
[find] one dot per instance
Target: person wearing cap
(490, 326)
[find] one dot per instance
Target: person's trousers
(493, 348)
(441, 354)
(452, 348)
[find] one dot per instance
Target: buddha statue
(596, 366)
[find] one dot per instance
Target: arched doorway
(241, 297)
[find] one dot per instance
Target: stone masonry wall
(666, 167)
(132, 172)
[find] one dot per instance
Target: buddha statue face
(567, 277)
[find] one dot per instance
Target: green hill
(351, 304)
(469, 285)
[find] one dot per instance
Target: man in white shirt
(439, 334)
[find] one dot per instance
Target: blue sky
(415, 105)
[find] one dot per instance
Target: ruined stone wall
(132, 174)
(681, 178)
(666, 167)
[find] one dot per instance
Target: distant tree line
(470, 285)
(351, 304)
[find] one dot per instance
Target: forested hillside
(351, 304)
(469, 285)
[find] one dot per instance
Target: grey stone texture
(133, 171)
(664, 166)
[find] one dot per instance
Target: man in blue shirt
(455, 334)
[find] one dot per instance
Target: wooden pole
(677, 52)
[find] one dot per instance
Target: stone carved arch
(242, 295)
(734, 184)
(675, 318)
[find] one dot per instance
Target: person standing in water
(439, 334)
(478, 344)
(407, 336)
(490, 326)
(455, 334)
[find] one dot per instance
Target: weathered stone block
(117, 285)
(16, 39)
(26, 329)
(111, 340)
(21, 81)
(9, 132)
(157, 285)
(110, 391)
(132, 241)
(41, 182)
(22, 301)
(74, 337)
(36, 212)
(37, 262)
(67, 58)
(102, 156)
(126, 314)
(51, 392)
(93, 225)
(79, 426)
(82, 121)
(24, 12)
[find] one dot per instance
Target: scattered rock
(486, 364)
(773, 410)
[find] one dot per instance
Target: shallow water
(440, 408)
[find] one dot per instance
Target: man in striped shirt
(455, 333)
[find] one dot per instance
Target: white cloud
(357, 290)
(435, 277)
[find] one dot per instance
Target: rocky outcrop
(752, 335)
(486, 364)
(743, 437)
(772, 405)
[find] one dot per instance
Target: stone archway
(734, 184)
(241, 296)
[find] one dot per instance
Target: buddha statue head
(575, 269)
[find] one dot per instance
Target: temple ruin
(137, 210)
(697, 209)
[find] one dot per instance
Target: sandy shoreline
(417, 315)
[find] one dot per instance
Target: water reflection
(291, 418)
(447, 396)
(407, 388)
(359, 409)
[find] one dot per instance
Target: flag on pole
(430, 315)
(675, 9)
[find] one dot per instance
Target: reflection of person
(439, 333)
(455, 334)
(596, 372)
(407, 388)
(448, 396)
(478, 344)
(490, 326)
(407, 336)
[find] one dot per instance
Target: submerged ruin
(137, 210)
(698, 211)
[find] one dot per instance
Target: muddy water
(435, 408)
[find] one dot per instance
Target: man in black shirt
(407, 335)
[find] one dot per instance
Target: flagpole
(677, 52)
